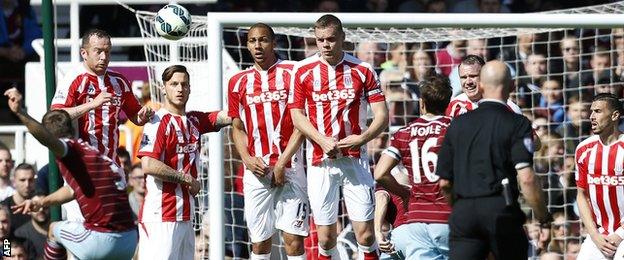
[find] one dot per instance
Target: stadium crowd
(556, 76)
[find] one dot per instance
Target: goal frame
(217, 21)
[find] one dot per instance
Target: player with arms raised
(599, 164)
(264, 137)
(334, 90)
(169, 153)
(425, 232)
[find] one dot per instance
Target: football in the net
(173, 22)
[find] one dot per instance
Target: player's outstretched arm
(239, 135)
(295, 141)
(60, 196)
(381, 208)
(35, 128)
(302, 124)
(386, 180)
(380, 122)
(143, 116)
(606, 247)
(162, 171)
(78, 111)
(223, 119)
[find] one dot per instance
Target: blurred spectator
(551, 102)
(376, 6)
(201, 246)
(561, 229)
(529, 91)
(24, 183)
(450, 56)
(375, 147)
(541, 126)
(570, 51)
(476, 47)
(370, 53)
(420, 65)
(411, 6)
(42, 180)
(607, 84)
(136, 180)
(601, 70)
(550, 156)
(575, 127)
(436, 6)
(397, 59)
(124, 159)
(6, 166)
(36, 230)
(550, 256)
(618, 45)
(18, 28)
(401, 105)
(19, 251)
(538, 236)
(516, 56)
(480, 6)
(310, 48)
(327, 6)
(573, 246)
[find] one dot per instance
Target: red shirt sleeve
(66, 96)
(208, 121)
(581, 170)
(234, 97)
(372, 87)
(130, 105)
(153, 140)
(296, 99)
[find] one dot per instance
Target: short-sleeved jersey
(462, 104)
(97, 184)
(259, 99)
(99, 125)
(175, 141)
(335, 99)
(599, 171)
(416, 146)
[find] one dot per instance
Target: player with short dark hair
(169, 156)
(274, 179)
(599, 163)
(424, 232)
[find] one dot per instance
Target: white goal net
(556, 71)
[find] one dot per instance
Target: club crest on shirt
(348, 80)
(618, 169)
(316, 83)
(91, 89)
(180, 136)
(528, 144)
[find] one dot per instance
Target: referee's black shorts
(479, 226)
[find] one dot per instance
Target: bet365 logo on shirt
(606, 180)
(334, 95)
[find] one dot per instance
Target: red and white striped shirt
(599, 170)
(461, 104)
(335, 99)
(94, 179)
(416, 146)
(259, 99)
(99, 125)
(175, 141)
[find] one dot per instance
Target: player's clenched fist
(15, 99)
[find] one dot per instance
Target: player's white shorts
(166, 240)
(589, 251)
(356, 180)
(268, 208)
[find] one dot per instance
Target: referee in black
(486, 153)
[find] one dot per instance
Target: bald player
(486, 216)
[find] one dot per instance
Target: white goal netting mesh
(556, 71)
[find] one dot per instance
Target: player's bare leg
(327, 235)
(365, 236)
(261, 250)
(293, 244)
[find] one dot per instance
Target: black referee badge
(528, 144)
